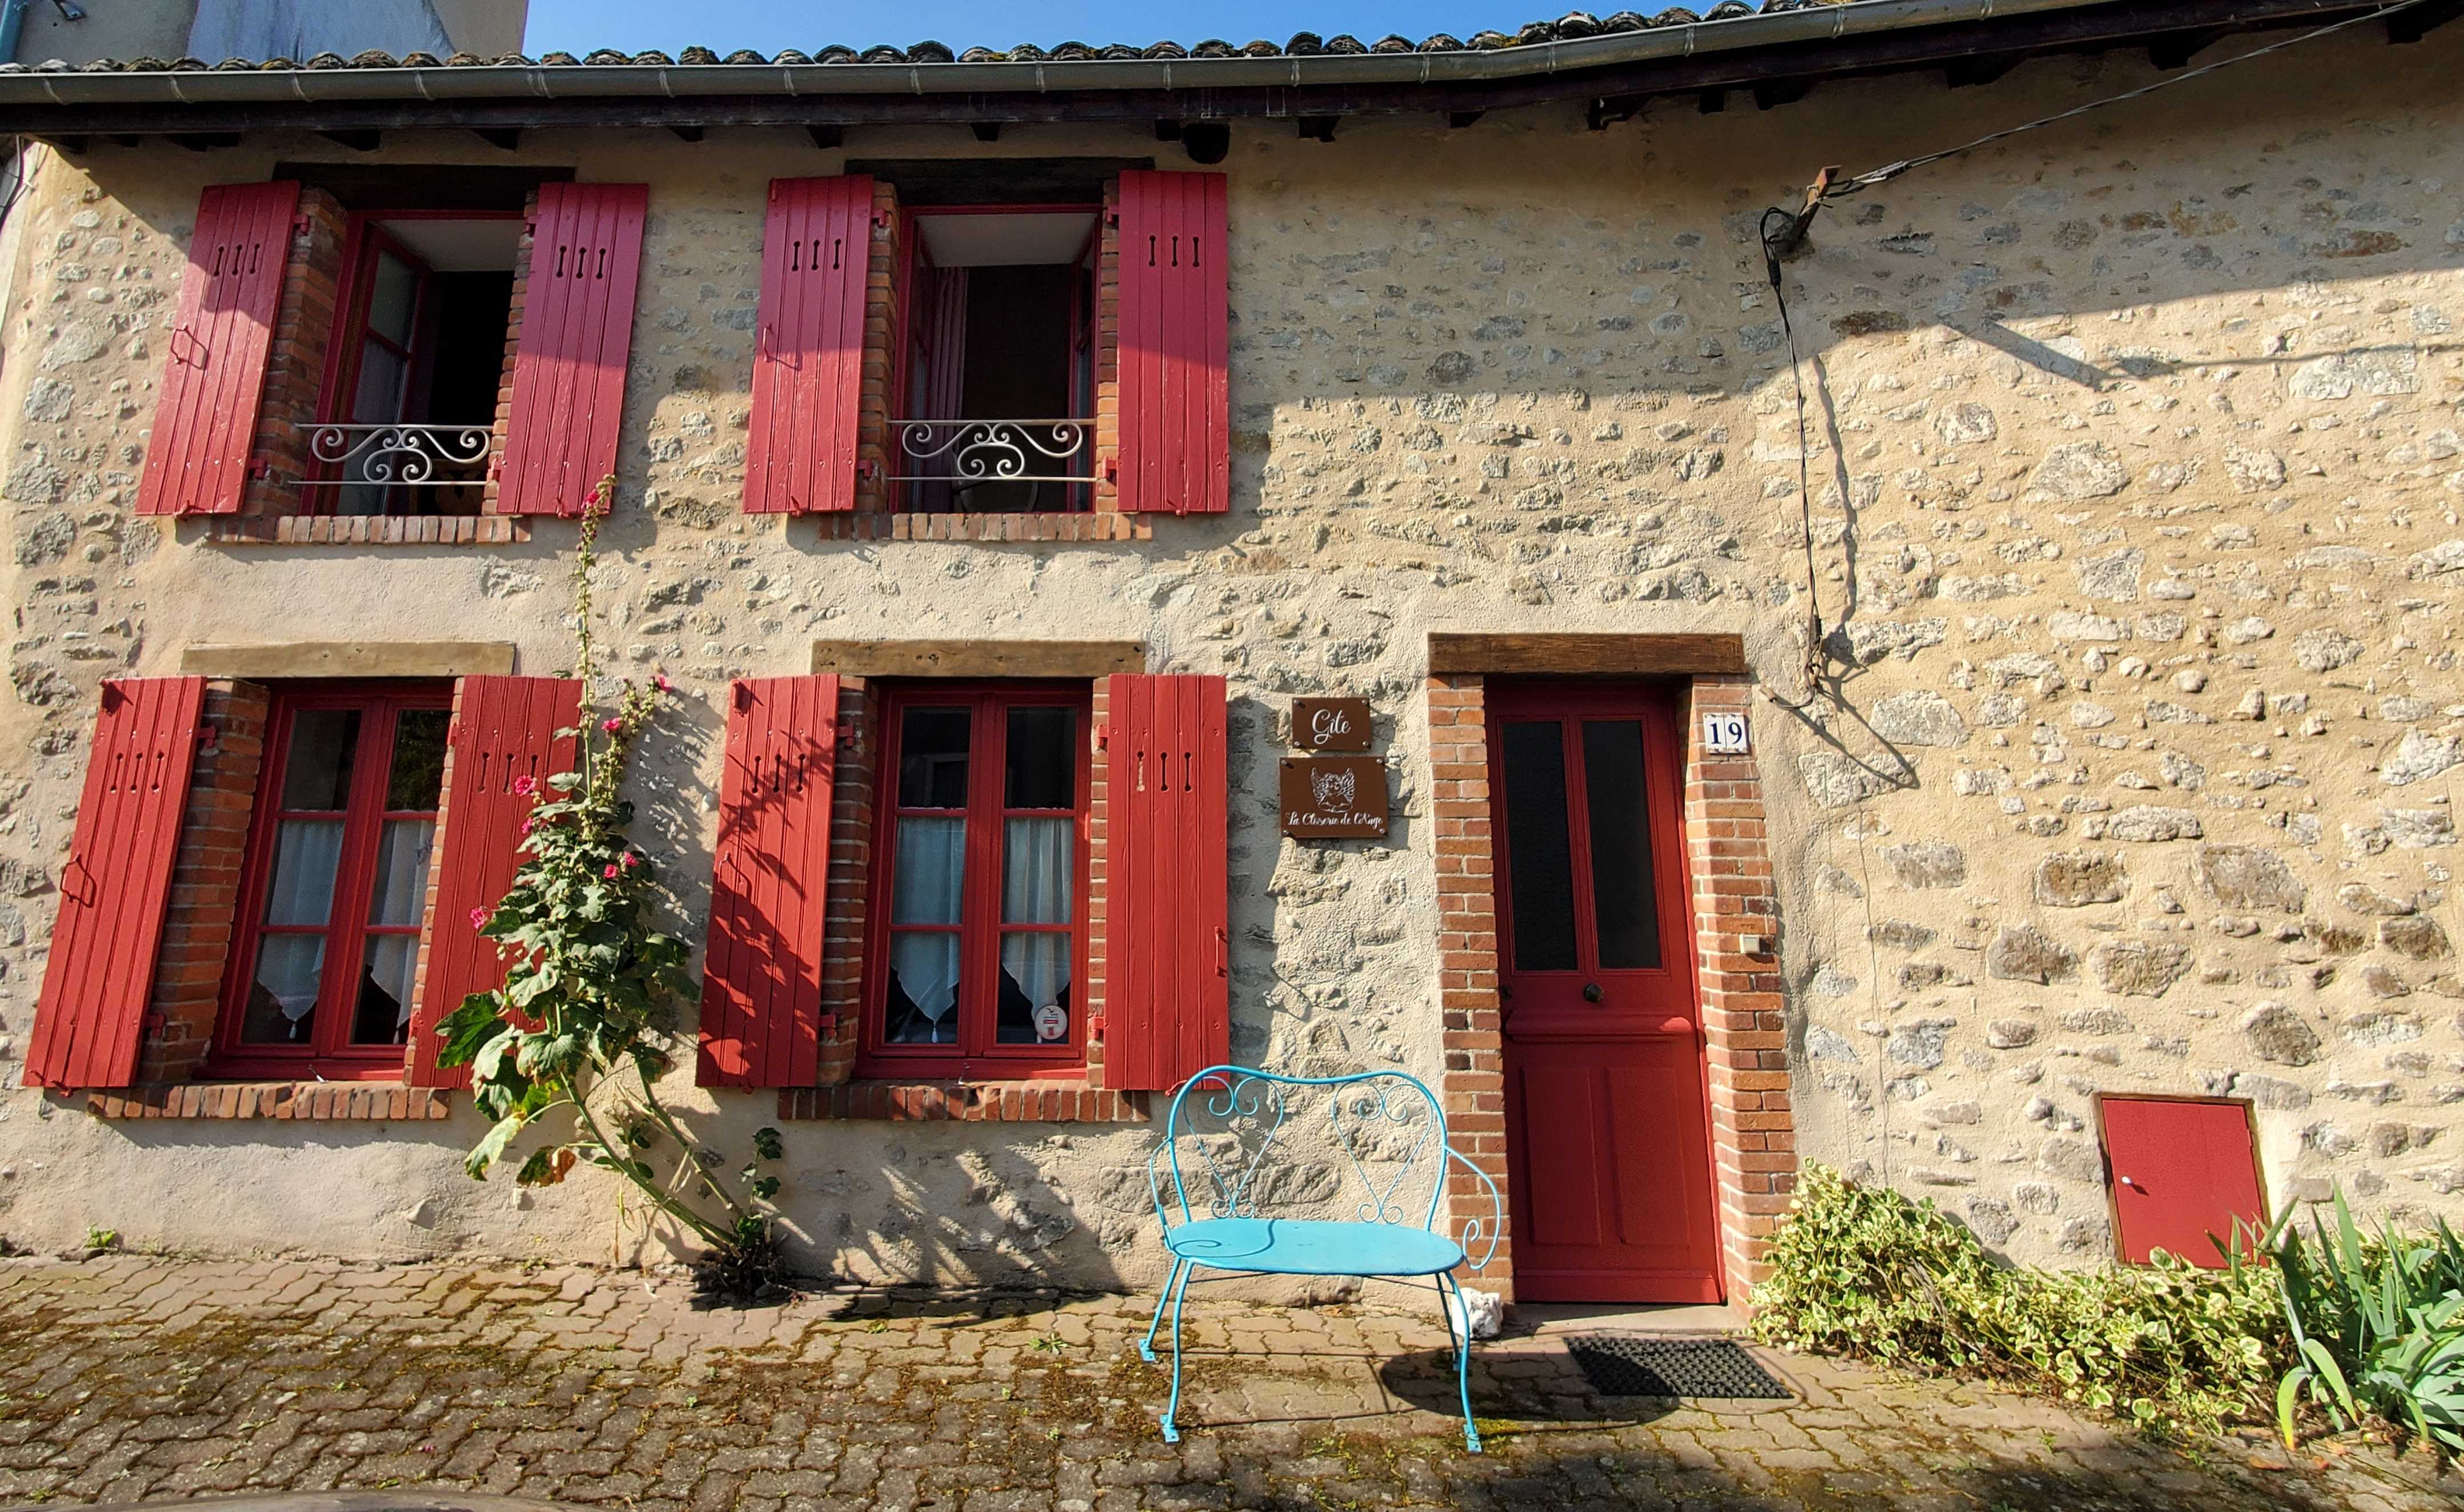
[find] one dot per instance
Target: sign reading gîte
(1334, 797)
(1723, 734)
(1330, 724)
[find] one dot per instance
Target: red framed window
(335, 888)
(978, 944)
(412, 375)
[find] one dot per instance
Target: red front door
(1606, 1136)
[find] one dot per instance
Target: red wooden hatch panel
(213, 375)
(2181, 1170)
(762, 974)
(504, 730)
(1175, 336)
(809, 346)
(117, 885)
(568, 399)
(1168, 990)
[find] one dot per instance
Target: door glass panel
(383, 1013)
(393, 296)
(400, 895)
(1540, 855)
(318, 773)
(301, 889)
(1043, 758)
(418, 775)
(931, 871)
(1622, 905)
(932, 758)
(1039, 864)
(282, 997)
(923, 994)
(1035, 974)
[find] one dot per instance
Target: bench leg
(1163, 1299)
(1450, 1297)
(1179, 1292)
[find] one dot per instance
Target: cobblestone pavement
(129, 1377)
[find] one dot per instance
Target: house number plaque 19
(1723, 734)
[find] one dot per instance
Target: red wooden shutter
(2181, 1170)
(1175, 338)
(213, 382)
(1167, 994)
(762, 976)
(577, 336)
(808, 349)
(117, 885)
(504, 730)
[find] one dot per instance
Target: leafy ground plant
(1865, 1272)
(566, 1058)
(2378, 1324)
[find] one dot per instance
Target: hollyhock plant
(572, 1047)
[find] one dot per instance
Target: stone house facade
(2116, 826)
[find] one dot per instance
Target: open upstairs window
(413, 372)
(996, 371)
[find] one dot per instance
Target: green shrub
(2379, 1323)
(1865, 1272)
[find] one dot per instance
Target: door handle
(1590, 992)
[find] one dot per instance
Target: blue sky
(576, 26)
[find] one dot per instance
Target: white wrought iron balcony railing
(967, 453)
(400, 455)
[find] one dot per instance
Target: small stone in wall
(1835, 781)
(2080, 470)
(2418, 757)
(2380, 1028)
(2269, 1092)
(2277, 1033)
(2075, 1159)
(2416, 936)
(1955, 1112)
(2010, 1034)
(2249, 877)
(1919, 1043)
(2415, 828)
(2363, 898)
(1925, 864)
(1823, 1044)
(1900, 934)
(2075, 879)
(2382, 982)
(2146, 825)
(1992, 1220)
(1919, 717)
(2139, 968)
(2022, 952)
(2326, 650)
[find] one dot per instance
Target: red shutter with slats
(117, 885)
(504, 730)
(213, 379)
(1168, 1005)
(577, 336)
(1175, 340)
(808, 347)
(762, 976)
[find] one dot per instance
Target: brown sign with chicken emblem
(1334, 797)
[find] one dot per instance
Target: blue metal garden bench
(1286, 1190)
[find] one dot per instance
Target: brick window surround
(1754, 1130)
(199, 928)
(297, 363)
(839, 1095)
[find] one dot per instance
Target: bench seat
(1296, 1247)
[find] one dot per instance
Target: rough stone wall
(2135, 474)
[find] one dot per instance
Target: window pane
(323, 744)
(1614, 795)
(282, 999)
(383, 1013)
(1039, 865)
(1043, 767)
(400, 895)
(1539, 855)
(418, 772)
(301, 889)
(382, 376)
(393, 299)
(1035, 974)
(932, 758)
(931, 870)
(921, 1004)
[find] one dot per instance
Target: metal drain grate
(1631, 1365)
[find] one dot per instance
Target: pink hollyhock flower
(529, 824)
(611, 725)
(631, 860)
(525, 785)
(478, 918)
(611, 872)
(659, 681)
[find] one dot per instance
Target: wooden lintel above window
(1587, 655)
(1088, 659)
(350, 659)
